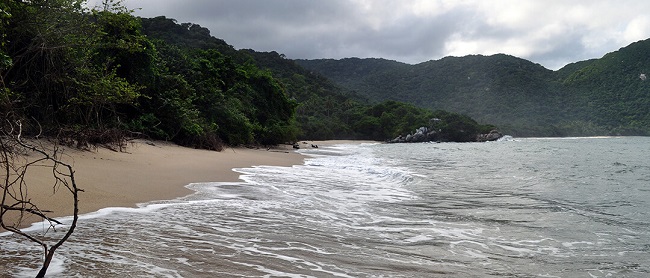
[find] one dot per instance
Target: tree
(44, 40)
(5, 60)
(70, 68)
(5, 14)
(17, 158)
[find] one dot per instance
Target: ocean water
(567, 207)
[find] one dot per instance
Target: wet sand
(147, 171)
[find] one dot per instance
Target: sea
(519, 207)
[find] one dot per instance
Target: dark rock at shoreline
(425, 134)
(492, 136)
(422, 134)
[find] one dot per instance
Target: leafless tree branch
(15, 204)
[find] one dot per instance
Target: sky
(552, 33)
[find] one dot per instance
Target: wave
(385, 211)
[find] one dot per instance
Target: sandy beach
(145, 171)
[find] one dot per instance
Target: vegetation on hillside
(596, 97)
(325, 111)
(611, 91)
(90, 74)
(97, 76)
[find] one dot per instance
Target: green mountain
(595, 97)
(323, 110)
(157, 78)
(326, 111)
(613, 90)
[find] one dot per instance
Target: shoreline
(149, 171)
(145, 171)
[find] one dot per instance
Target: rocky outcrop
(422, 134)
(492, 136)
(425, 134)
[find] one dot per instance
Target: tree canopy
(86, 73)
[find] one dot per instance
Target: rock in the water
(492, 136)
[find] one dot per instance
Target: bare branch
(15, 204)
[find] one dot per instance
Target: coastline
(149, 171)
(145, 171)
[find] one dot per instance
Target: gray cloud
(550, 32)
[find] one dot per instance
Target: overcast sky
(552, 33)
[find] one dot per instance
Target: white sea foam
(384, 211)
(55, 269)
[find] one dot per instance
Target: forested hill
(596, 97)
(98, 76)
(323, 110)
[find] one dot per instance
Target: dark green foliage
(52, 77)
(184, 35)
(88, 73)
(220, 95)
(321, 104)
(612, 93)
(595, 97)
(458, 128)
(325, 111)
(491, 89)
(98, 75)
